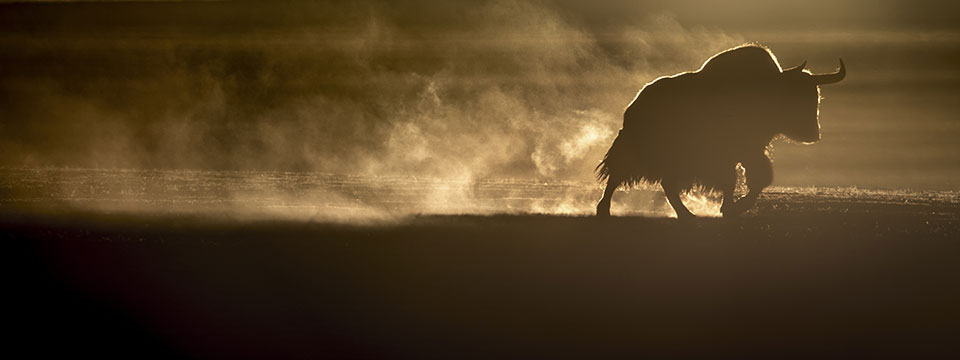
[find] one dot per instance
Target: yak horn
(796, 68)
(823, 79)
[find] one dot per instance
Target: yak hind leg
(759, 173)
(672, 190)
(603, 207)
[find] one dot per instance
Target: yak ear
(795, 69)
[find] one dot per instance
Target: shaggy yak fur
(695, 127)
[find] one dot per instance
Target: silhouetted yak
(695, 127)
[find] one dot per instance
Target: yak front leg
(672, 191)
(759, 173)
(728, 186)
(603, 207)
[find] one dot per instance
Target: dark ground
(841, 280)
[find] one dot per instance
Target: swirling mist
(506, 89)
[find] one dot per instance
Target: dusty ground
(806, 277)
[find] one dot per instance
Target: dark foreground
(875, 280)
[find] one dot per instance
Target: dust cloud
(514, 91)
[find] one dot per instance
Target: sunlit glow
(702, 202)
(432, 118)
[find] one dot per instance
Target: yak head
(798, 100)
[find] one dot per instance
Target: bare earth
(811, 274)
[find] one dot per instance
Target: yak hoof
(687, 216)
(728, 211)
(735, 209)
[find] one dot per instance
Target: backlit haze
(471, 92)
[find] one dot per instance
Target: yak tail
(602, 171)
(620, 164)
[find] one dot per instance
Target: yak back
(709, 104)
(748, 61)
